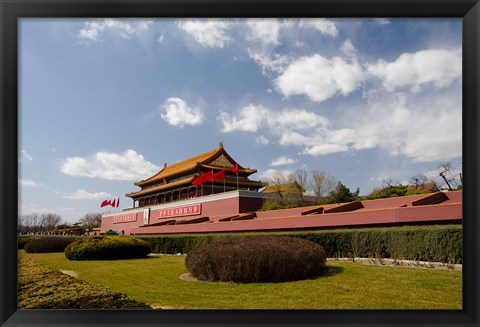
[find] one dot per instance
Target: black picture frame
(12, 10)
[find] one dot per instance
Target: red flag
(203, 178)
(234, 169)
(105, 203)
(206, 177)
(219, 176)
(114, 203)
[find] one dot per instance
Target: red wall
(382, 212)
(214, 206)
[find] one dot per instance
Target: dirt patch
(161, 307)
(72, 273)
(188, 277)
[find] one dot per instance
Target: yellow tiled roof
(282, 188)
(180, 167)
(240, 169)
(185, 181)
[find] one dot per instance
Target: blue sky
(106, 102)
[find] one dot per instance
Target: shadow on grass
(331, 271)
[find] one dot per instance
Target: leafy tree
(343, 194)
(387, 192)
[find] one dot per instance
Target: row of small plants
(441, 243)
(42, 287)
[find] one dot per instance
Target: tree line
(43, 223)
(297, 189)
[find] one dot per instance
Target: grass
(155, 280)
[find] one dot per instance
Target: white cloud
(265, 31)
(294, 138)
(320, 78)
(323, 25)
(262, 140)
(348, 49)
(250, 119)
(82, 194)
(281, 161)
(270, 174)
(382, 21)
(291, 119)
(126, 28)
(176, 112)
(324, 149)
(127, 166)
(27, 182)
(422, 129)
(269, 63)
(208, 32)
(25, 155)
(437, 67)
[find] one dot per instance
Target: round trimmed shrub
(107, 248)
(48, 244)
(252, 259)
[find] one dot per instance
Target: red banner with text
(190, 210)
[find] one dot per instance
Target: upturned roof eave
(190, 164)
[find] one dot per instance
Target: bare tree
(322, 184)
(91, 220)
(22, 224)
(300, 178)
(389, 182)
(448, 174)
(49, 221)
(277, 181)
(32, 221)
(419, 181)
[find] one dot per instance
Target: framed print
(221, 118)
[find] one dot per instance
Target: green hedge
(107, 248)
(48, 244)
(438, 243)
(22, 240)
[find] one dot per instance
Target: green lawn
(155, 280)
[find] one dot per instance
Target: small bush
(48, 244)
(251, 259)
(22, 240)
(107, 248)
(42, 287)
